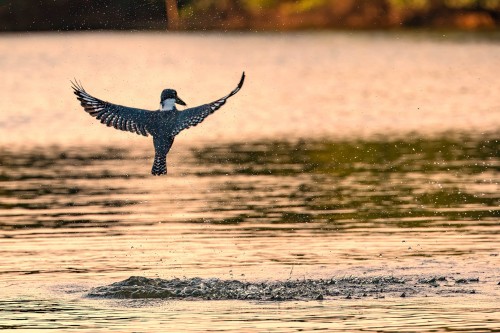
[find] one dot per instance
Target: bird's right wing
(120, 117)
(194, 116)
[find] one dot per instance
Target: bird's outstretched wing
(120, 117)
(194, 116)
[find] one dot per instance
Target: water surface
(364, 155)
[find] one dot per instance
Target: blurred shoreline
(250, 15)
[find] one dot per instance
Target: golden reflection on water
(298, 85)
(235, 316)
(241, 207)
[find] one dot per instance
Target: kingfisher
(162, 124)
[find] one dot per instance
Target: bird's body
(163, 124)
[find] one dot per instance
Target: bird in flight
(163, 124)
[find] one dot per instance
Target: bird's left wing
(194, 116)
(120, 117)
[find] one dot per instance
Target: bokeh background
(25, 15)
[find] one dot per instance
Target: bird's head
(168, 99)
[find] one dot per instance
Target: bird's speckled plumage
(162, 125)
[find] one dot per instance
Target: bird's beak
(179, 101)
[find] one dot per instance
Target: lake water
(344, 155)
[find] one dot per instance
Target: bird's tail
(159, 165)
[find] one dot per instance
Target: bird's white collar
(168, 104)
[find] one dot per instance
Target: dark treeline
(29, 15)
